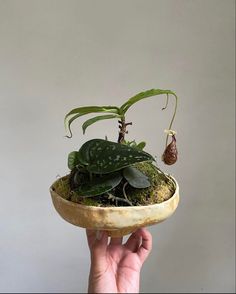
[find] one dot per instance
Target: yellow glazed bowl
(117, 221)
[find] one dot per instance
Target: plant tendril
(167, 101)
(173, 117)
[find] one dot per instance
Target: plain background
(57, 55)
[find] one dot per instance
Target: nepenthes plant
(106, 173)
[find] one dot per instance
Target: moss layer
(162, 188)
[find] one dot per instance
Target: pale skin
(115, 267)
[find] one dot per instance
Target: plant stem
(123, 131)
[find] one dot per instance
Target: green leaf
(136, 178)
(80, 111)
(91, 121)
(142, 95)
(103, 156)
(73, 159)
(141, 145)
(99, 185)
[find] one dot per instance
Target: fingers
(97, 241)
(140, 242)
(133, 242)
(146, 244)
(90, 237)
(116, 241)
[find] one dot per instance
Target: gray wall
(56, 55)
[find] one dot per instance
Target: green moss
(90, 202)
(62, 187)
(161, 189)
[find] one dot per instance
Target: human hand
(115, 267)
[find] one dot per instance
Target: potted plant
(116, 186)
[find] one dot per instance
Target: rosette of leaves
(100, 165)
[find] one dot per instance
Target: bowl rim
(115, 208)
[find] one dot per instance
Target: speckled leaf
(103, 156)
(73, 159)
(136, 178)
(99, 185)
